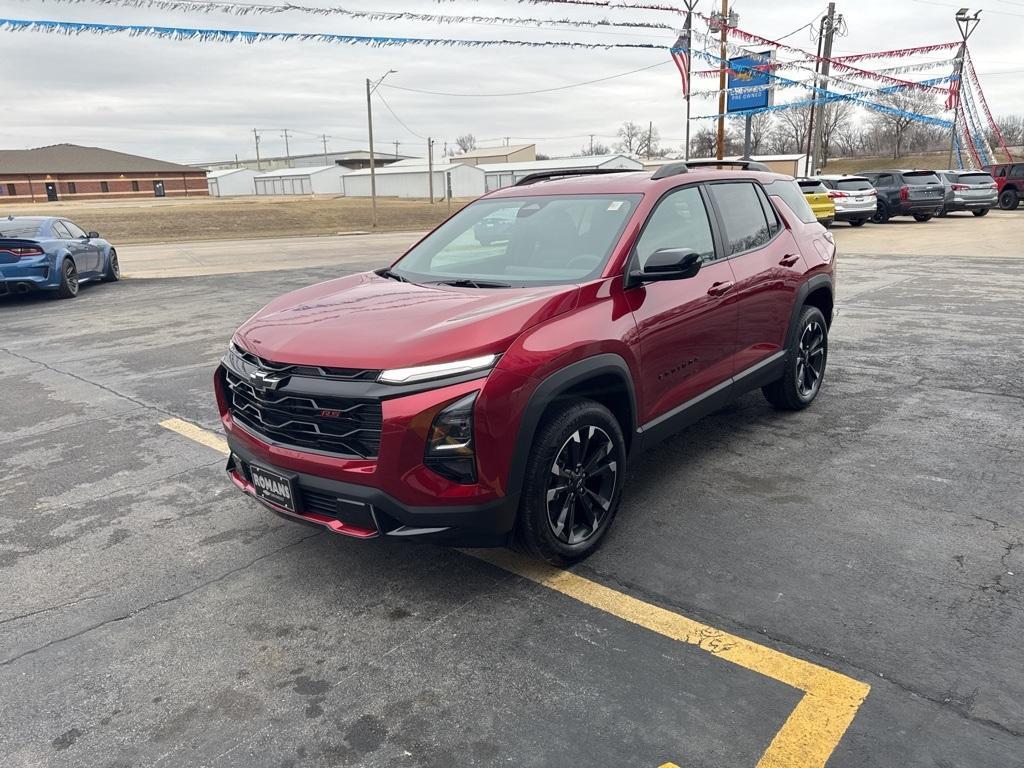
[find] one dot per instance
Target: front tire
(982, 212)
(573, 483)
(113, 273)
(922, 217)
(805, 364)
(68, 287)
(858, 222)
(881, 214)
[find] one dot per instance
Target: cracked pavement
(152, 616)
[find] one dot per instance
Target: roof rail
(531, 178)
(670, 169)
(746, 165)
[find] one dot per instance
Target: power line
(528, 93)
(400, 121)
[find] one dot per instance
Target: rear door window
(61, 231)
(745, 225)
(679, 221)
(74, 229)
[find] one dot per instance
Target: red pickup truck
(1010, 182)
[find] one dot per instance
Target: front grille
(315, 371)
(340, 425)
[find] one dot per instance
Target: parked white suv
(854, 197)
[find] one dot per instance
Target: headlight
(439, 371)
(450, 450)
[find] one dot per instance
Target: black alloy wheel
(881, 214)
(69, 284)
(806, 359)
(981, 212)
(1009, 199)
(573, 482)
(584, 477)
(113, 273)
(810, 363)
(922, 217)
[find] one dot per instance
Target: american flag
(681, 56)
(953, 100)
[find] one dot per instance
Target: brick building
(71, 172)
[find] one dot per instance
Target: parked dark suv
(482, 393)
(906, 193)
(1010, 181)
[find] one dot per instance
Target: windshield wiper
(467, 283)
(392, 275)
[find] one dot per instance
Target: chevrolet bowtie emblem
(265, 380)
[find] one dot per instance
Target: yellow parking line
(813, 729)
(197, 433)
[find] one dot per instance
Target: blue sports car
(40, 253)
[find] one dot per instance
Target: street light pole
(370, 88)
(966, 23)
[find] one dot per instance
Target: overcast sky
(194, 101)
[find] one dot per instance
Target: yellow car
(818, 198)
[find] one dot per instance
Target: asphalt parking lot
(771, 579)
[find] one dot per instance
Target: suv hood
(367, 321)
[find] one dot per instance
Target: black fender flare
(805, 290)
(548, 390)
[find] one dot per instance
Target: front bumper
(365, 512)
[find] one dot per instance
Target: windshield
(20, 227)
(521, 241)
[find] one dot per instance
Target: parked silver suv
(853, 196)
(973, 191)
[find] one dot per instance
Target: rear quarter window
(789, 192)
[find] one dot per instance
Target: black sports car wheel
(805, 364)
(68, 287)
(113, 273)
(573, 483)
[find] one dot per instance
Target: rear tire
(113, 273)
(1009, 199)
(805, 364)
(881, 214)
(922, 217)
(982, 212)
(68, 287)
(858, 222)
(573, 483)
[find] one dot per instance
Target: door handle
(719, 289)
(789, 259)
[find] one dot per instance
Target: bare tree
(790, 135)
(760, 127)
(466, 143)
(835, 116)
(597, 148)
(703, 143)
(632, 138)
(897, 123)
(1012, 128)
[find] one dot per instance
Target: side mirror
(93, 235)
(668, 264)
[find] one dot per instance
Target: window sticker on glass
(614, 205)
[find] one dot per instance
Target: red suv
(484, 392)
(1010, 183)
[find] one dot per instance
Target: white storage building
(410, 178)
(498, 175)
(322, 180)
(231, 182)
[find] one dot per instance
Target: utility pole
(721, 23)
(814, 96)
(396, 143)
(256, 134)
(287, 151)
(591, 145)
(831, 24)
(324, 139)
(430, 168)
(650, 133)
(967, 24)
(370, 88)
